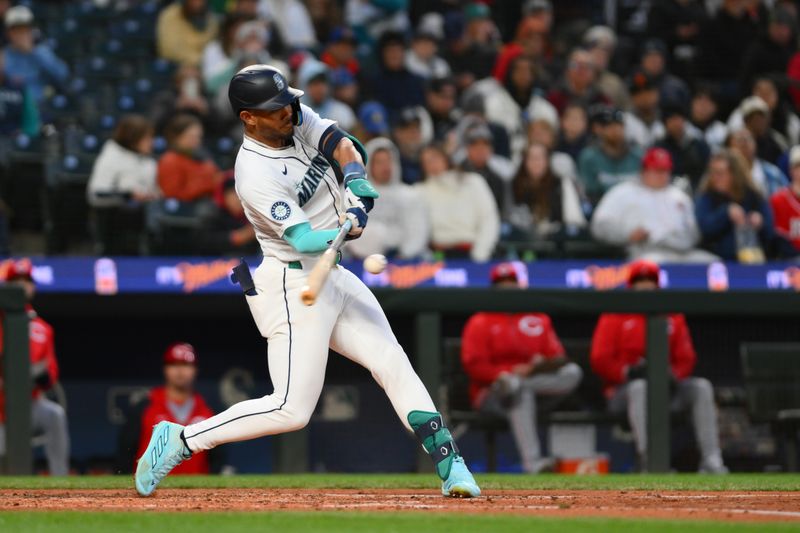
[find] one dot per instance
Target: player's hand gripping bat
(318, 275)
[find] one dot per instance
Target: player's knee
(297, 418)
(637, 388)
(572, 375)
(703, 389)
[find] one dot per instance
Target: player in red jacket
(177, 402)
(511, 359)
(48, 419)
(618, 351)
(786, 203)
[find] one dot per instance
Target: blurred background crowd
(657, 129)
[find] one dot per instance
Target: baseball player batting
(286, 177)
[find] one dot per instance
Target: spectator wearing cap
(460, 207)
(756, 117)
(771, 52)
(183, 30)
(513, 360)
(478, 156)
(703, 121)
(728, 203)
(782, 117)
(511, 102)
(618, 357)
(399, 225)
(654, 64)
(393, 84)
(373, 121)
(26, 64)
(650, 217)
(345, 87)
(601, 41)
(785, 204)
(473, 56)
(643, 125)
(766, 177)
(312, 78)
(411, 130)
(423, 58)
(579, 83)
(440, 100)
(48, 418)
(688, 150)
(530, 40)
(340, 52)
(546, 203)
(677, 24)
(473, 110)
(177, 401)
(573, 136)
(609, 159)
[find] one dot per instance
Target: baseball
(375, 263)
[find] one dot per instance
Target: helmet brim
(279, 101)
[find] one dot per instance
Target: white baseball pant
(347, 318)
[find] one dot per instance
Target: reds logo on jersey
(531, 326)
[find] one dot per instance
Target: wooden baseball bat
(318, 275)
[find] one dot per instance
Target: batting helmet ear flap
(297, 113)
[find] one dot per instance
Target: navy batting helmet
(263, 87)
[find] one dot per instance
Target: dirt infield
(731, 506)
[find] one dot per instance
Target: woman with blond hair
(729, 203)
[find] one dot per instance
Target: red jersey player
(48, 418)
(177, 402)
(618, 357)
(512, 358)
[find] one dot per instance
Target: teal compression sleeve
(307, 241)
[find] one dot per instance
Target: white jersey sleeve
(313, 126)
(269, 203)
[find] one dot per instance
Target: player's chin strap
(297, 112)
(435, 438)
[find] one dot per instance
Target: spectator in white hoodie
(653, 219)
(461, 209)
(125, 169)
(398, 224)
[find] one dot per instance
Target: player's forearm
(346, 152)
(308, 241)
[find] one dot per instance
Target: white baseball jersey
(282, 187)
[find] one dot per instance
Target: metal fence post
(658, 413)
(428, 360)
(17, 385)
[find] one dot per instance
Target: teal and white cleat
(460, 483)
(165, 451)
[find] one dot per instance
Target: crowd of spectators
(663, 129)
